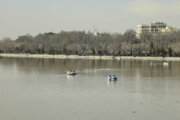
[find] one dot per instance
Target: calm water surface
(39, 89)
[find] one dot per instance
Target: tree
(82, 43)
(169, 52)
(153, 52)
(151, 45)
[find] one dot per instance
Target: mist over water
(39, 89)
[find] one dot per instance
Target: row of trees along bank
(82, 43)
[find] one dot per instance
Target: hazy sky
(19, 17)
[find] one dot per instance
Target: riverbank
(89, 57)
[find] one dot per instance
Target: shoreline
(45, 56)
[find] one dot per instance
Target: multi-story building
(156, 27)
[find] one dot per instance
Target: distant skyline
(20, 17)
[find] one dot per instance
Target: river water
(39, 89)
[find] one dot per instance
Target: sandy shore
(89, 57)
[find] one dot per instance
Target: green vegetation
(82, 43)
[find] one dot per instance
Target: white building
(156, 27)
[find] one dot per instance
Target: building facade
(156, 27)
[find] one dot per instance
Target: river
(39, 89)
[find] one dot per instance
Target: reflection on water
(111, 84)
(39, 89)
(71, 77)
(145, 68)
